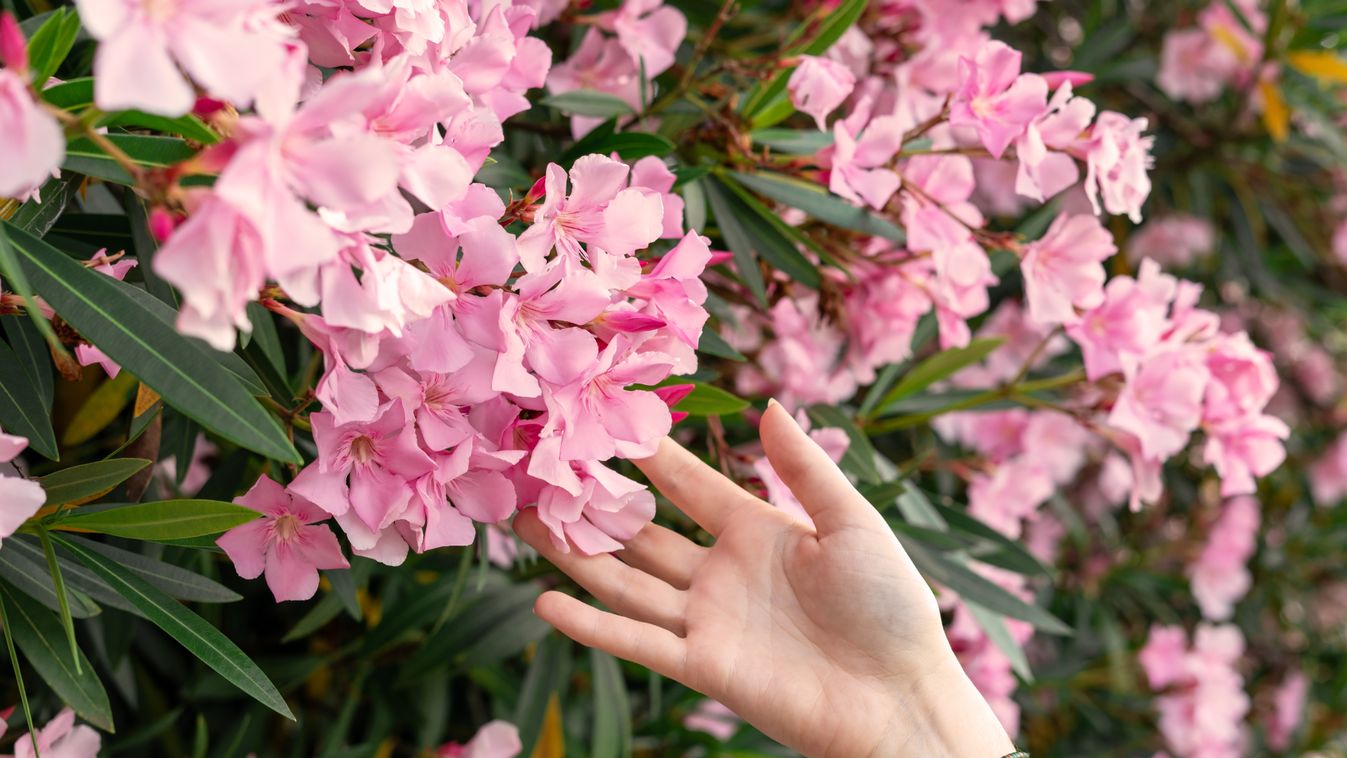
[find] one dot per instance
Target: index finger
(701, 492)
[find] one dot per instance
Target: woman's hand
(825, 638)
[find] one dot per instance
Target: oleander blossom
(1219, 576)
(20, 498)
(1203, 704)
(31, 139)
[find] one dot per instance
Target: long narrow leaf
(176, 582)
(28, 574)
(22, 410)
(36, 631)
(81, 484)
(58, 584)
(132, 335)
(162, 519)
(200, 638)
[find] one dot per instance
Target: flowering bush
(324, 292)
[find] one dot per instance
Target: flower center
(362, 449)
(286, 527)
(160, 10)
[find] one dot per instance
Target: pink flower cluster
(1219, 576)
(1204, 704)
(1222, 50)
(639, 44)
(468, 371)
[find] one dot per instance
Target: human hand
(825, 638)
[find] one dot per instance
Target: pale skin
(826, 638)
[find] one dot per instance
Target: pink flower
(600, 63)
(1010, 495)
(860, 167)
(1114, 335)
(995, 99)
(498, 739)
(32, 141)
(818, 86)
(1175, 241)
(20, 498)
(363, 470)
(649, 31)
(1288, 710)
(600, 211)
(599, 416)
(1162, 403)
(287, 542)
(460, 491)
(592, 506)
(714, 718)
(1243, 378)
(1045, 169)
(60, 738)
(1063, 271)
(1340, 243)
(1219, 577)
(1244, 448)
(1118, 159)
(650, 173)
(86, 354)
(217, 261)
(1164, 656)
(231, 49)
(1328, 474)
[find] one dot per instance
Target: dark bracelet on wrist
(1017, 754)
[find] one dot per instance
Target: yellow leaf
(1276, 116)
(145, 400)
(551, 742)
(1324, 65)
(101, 408)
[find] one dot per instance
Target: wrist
(939, 712)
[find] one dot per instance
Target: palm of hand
(805, 631)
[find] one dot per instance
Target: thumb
(817, 482)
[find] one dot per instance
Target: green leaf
(22, 408)
(820, 203)
(81, 484)
(84, 157)
(1001, 551)
(200, 638)
(77, 94)
(605, 139)
(51, 43)
(712, 343)
(36, 632)
(995, 628)
(973, 587)
(33, 356)
(729, 212)
(178, 583)
(78, 579)
(709, 400)
(774, 240)
(611, 735)
(860, 456)
(793, 141)
(162, 519)
(322, 612)
(62, 601)
(38, 214)
(590, 103)
(134, 336)
(25, 570)
(12, 273)
(935, 368)
(545, 679)
(6, 625)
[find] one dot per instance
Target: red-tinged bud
(630, 321)
(1056, 79)
(677, 416)
(162, 224)
(718, 257)
(207, 106)
(13, 46)
(538, 189)
(673, 394)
